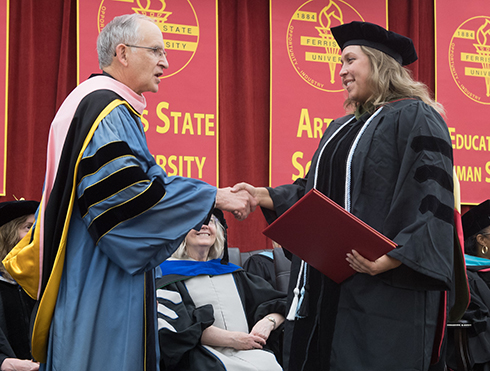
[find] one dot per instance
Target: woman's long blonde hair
(9, 237)
(214, 252)
(390, 81)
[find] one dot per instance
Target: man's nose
(163, 61)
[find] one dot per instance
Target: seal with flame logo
(311, 47)
(180, 28)
(469, 58)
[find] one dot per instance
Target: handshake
(242, 199)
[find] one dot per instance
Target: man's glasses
(157, 51)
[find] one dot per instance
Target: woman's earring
(484, 249)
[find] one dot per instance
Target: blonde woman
(212, 314)
(390, 164)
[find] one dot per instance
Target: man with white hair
(110, 214)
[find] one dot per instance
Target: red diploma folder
(320, 232)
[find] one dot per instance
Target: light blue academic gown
(99, 319)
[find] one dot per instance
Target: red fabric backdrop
(43, 71)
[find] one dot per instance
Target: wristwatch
(273, 320)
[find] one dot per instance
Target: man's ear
(121, 54)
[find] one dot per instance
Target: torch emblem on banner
(159, 16)
(469, 58)
(327, 14)
(311, 47)
(483, 50)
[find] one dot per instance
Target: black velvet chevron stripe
(109, 186)
(111, 218)
(437, 208)
(105, 154)
(432, 144)
(426, 172)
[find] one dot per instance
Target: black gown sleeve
(258, 297)
(5, 348)
(283, 197)
(180, 327)
(420, 216)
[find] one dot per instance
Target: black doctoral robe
(180, 337)
(15, 314)
(397, 177)
(478, 315)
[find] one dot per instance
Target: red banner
(181, 120)
(306, 90)
(4, 57)
(463, 87)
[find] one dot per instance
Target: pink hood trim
(59, 128)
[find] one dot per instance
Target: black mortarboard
(11, 210)
(395, 45)
(476, 219)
